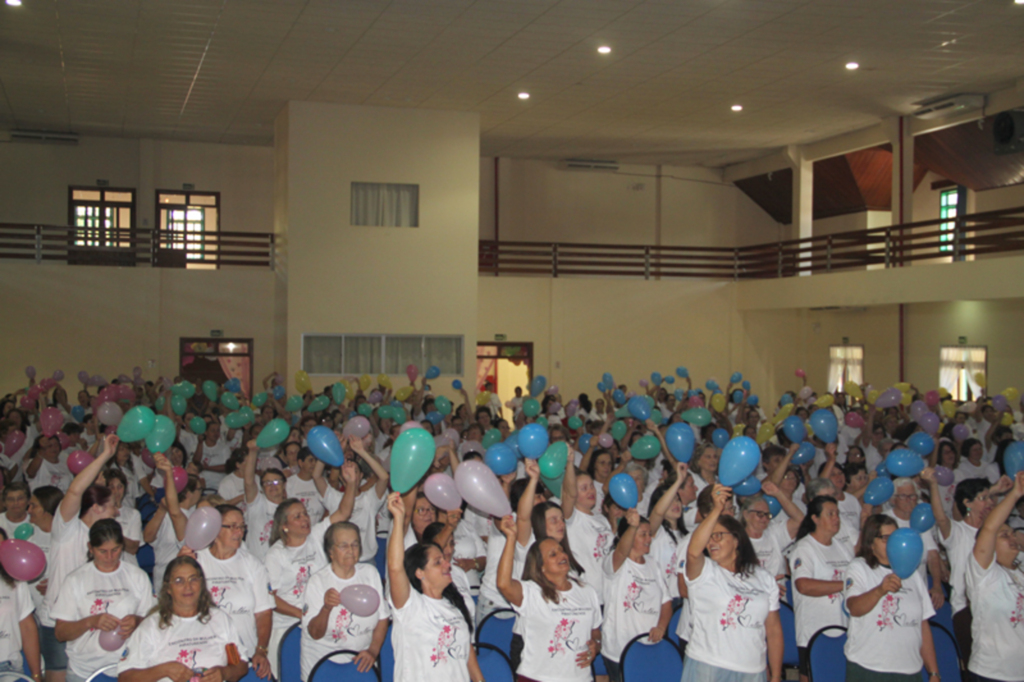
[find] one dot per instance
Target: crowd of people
(584, 575)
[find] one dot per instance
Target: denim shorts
(54, 655)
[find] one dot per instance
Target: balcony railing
(964, 238)
(131, 247)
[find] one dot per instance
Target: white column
(900, 131)
(803, 194)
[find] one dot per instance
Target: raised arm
(779, 472)
(72, 502)
(568, 491)
(398, 581)
(178, 518)
(665, 501)
(510, 588)
(625, 543)
(721, 496)
(941, 520)
(653, 428)
(985, 544)
(786, 502)
(249, 473)
(351, 475)
(865, 434)
(524, 528)
(378, 468)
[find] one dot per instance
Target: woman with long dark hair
(669, 499)
(18, 632)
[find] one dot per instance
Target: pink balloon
(929, 422)
(110, 414)
(27, 403)
(453, 435)
(202, 528)
(180, 479)
(404, 427)
(22, 559)
(136, 371)
(357, 426)
(65, 440)
(47, 383)
(78, 460)
(111, 640)
(58, 375)
(147, 458)
(440, 490)
(123, 378)
(943, 475)
(412, 371)
(13, 442)
(127, 392)
(697, 401)
(51, 420)
(362, 600)
(605, 440)
(630, 394)
(931, 398)
(34, 392)
(644, 383)
(98, 380)
(480, 487)
(854, 420)
(961, 432)
(800, 373)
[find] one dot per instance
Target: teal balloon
(618, 430)
(554, 485)
(162, 435)
(657, 417)
(739, 459)
(24, 531)
(491, 437)
(575, 423)
(235, 420)
(229, 401)
(186, 389)
(412, 454)
(399, 415)
(319, 404)
(293, 404)
(698, 416)
(646, 447)
(136, 424)
(366, 409)
(443, 405)
(622, 413)
(543, 421)
(198, 425)
(247, 412)
(531, 408)
(904, 549)
(552, 463)
(260, 399)
(385, 412)
(178, 405)
(159, 405)
(210, 390)
(273, 434)
(338, 391)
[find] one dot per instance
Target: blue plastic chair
(673, 625)
(789, 591)
(641, 661)
(146, 559)
(828, 660)
(381, 559)
(289, 658)
(947, 654)
(494, 664)
(106, 674)
(790, 654)
(943, 616)
(387, 657)
(497, 631)
(251, 676)
(327, 670)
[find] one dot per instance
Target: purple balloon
(84, 377)
(441, 492)
(356, 426)
(375, 397)
(930, 423)
(554, 408)
(891, 397)
(943, 475)
(605, 440)
(58, 375)
(571, 407)
(480, 487)
(999, 403)
(362, 600)
(917, 410)
(202, 528)
(961, 432)
(111, 640)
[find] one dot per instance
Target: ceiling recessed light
(524, 95)
(852, 66)
(737, 107)
(14, 3)
(604, 49)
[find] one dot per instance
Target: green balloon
(162, 435)
(293, 404)
(338, 393)
(186, 389)
(618, 430)
(656, 417)
(411, 456)
(198, 425)
(366, 409)
(178, 406)
(235, 420)
(247, 412)
(698, 416)
(543, 421)
(260, 399)
(319, 404)
(273, 434)
(24, 531)
(160, 402)
(491, 437)
(575, 423)
(210, 390)
(622, 413)
(136, 424)
(399, 415)
(552, 462)
(650, 401)
(553, 484)
(646, 447)
(443, 405)
(531, 408)
(228, 400)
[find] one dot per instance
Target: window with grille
(959, 367)
(380, 353)
(102, 216)
(947, 211)
(186, 221)
(845, 364)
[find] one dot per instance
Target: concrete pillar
(900, 131)
(803, 195)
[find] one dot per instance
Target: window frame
(73, 237)
(160, 207)
(383, 352)
(962, 347)
(947, 227)
(863, 359)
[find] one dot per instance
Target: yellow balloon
(903, 386)
(825, 401)
(403, 393)
(783, 412)
(364, 382)
(765, 433)
(979, 378)
(384, 381)
(1012, 396)
(737, 430)
(353, 387)
(1007, 419)
(853, 390)
(483, 398)
(907, 399)
(949, 409)
(943, 393)
(302, 382)
(810, 431)
(718, 402)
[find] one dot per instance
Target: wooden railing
(963, 238)
(130, 247)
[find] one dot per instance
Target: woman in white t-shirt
(757, 521)
(972, 464)
(127, 515)
(818, 560)
(995, 587)
(165, 530)
(736, 634)
(433, 630)
(105, 595)
(667, 502)
(187, 637)
(327, 624)
(590, 535)
(232, 486)
(889, 636)
(41, 507)
(43, 465)
(948, 456)
(18, 632)
(261, 502)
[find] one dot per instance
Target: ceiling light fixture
(737, 107)
(524, 95)
(14, 3)
(604, 49)
(852, 66)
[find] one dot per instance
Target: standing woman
(995, 587)
(819, 563)
(889, 638)
(18, 631)
(261, 502)
(104, 595)
(590, 535)
(433, 629)
(165, 531)
(667, 535)
(737, 634)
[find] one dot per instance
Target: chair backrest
(944, 616)
(790, 654)
(387, 657)
(327, 670)
(673, 625)
(146, 558)
(496, 629)
(642, 661)
(381, 559)
(789, 591)
(11, 676)
(947, 654)
(828, 660)
(290, 655)
(494, 664)
(105, 674)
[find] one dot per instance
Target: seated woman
(186, 637)
(18, 630)
(105, 595)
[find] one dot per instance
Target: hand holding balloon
(891, 584)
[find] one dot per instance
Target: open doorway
(506, 366)
(217, 360)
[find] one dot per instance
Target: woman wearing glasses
(186, 638)
(763, 536)
(260, 503)
(903, 503)
(240, 586)
(736, 633)
(889, 637)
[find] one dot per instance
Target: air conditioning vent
(43, 137)
(1008, 132)
(588, 164)
(949, 106)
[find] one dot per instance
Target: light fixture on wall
(524, 95)
(737, 107)
(604, 49)
(852, 66)
(14, 3)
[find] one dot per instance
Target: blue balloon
(794, 429)
(881, 470)
(622, 488)
(1013, 458)
(786, 399)
(711, 385)
(904, 549)
(922, 518)
(397, 403)
(745, 385)
(500, 458)
(583, 444)
(682, 372)
(825, 425)
(656, 378)
(456, 384)
(537, 385)
(433, 372)
(669, 379)
(513, 442)
(619, 397)
(737, 396)
(607, 380)
(692, 392)
(720, 437)
(921, 443)
(434, 417)
(749, 486)
(903, 462)
(234, 385)
(740, 458)
(600, 387)
(78, 412)
(804, 454)
(639, 408)
(773, 505)
(279, 393)
(735, 378)
(679, 394)
(325, 446)
(752, 400)
(879, 491)
(533, 440)
(680, 441)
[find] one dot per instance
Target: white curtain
(845, 363)
(385, 205)
(957, 368)
(362, 355)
